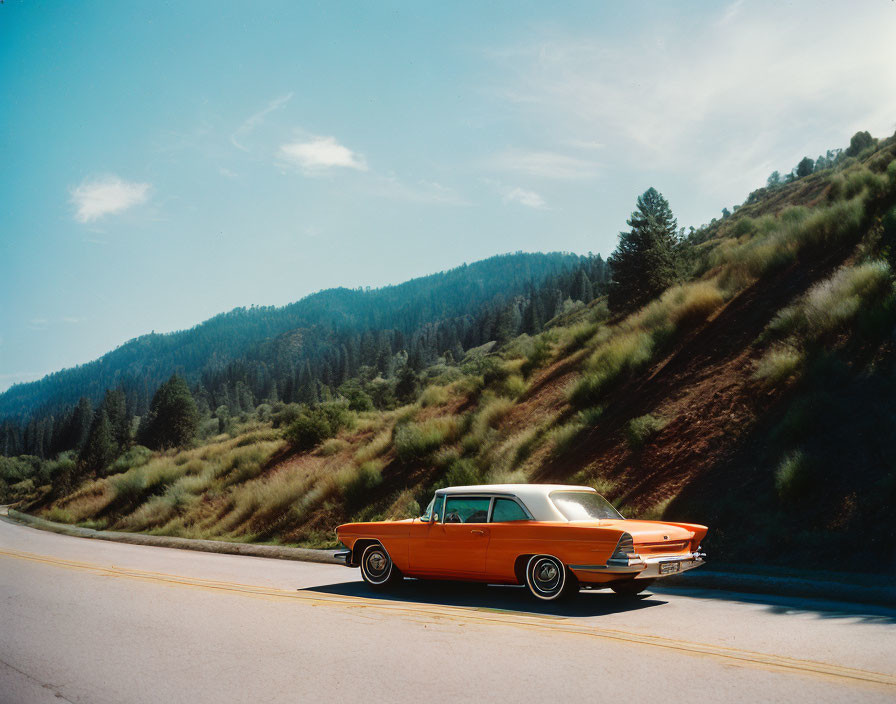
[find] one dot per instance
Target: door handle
(476, 531)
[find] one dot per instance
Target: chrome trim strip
(636, 564)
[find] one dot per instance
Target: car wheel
(548, 579)
(377, 568)
(632, 587)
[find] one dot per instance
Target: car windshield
(436, 504)
(583, 506)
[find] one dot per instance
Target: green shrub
(779, 364)
(563, 436)
(744, 227)
(15, 469)
(837, 187)
(529, 440)
(461, 472)
(537, 356)
(358, 399)
(129, 487)
(316, 425)
(59, 515)
(579, 335)
(257, 437)
(355, 483)
(376, 447)
(51, 469)
(285, 415)
(624, 352)
(861, 180)
(491, 412)
(417, 441)
(434, 396)
(793, 476)
(137, 456)
(513, 386)
(333, 446)
(307, 431)
(591, 416)
(832, 304)
(160, 472)
(640, 430)
(829, 226)
(246, 463)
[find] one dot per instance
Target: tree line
(311, 364)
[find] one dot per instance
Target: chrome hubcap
(546, 575)
(376, 563)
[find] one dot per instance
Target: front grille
(670, 547)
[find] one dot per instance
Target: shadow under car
(493, 597)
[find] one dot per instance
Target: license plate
(669, 567)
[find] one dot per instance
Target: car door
(509, 531)
(457, 544)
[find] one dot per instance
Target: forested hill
(297, 352)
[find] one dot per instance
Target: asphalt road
(94, 622)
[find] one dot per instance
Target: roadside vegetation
(725, 375)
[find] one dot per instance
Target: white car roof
(535, 497)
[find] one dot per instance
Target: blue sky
(163, 162)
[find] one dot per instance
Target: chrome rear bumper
(646, 568)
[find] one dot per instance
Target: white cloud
(528, 198)
(72, 320)
(37, 324)
(321, 153)
(723, 100)
(106, 196)
(543, 164)
(256, 119)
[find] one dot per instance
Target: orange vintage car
(553, 538)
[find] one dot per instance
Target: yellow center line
(466, 614)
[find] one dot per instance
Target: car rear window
(583, 506)
(507, 510)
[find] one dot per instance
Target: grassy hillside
(758, 396)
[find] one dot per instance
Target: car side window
(461, 510)
(507, 510)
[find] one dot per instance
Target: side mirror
(435, 518)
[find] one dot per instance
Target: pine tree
(406, 387)
(80, 424)
(646, 260)
(583, 290)
(100, 448)
(172, 420)
(115, 406)
(533, 320)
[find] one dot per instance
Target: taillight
(625, 547)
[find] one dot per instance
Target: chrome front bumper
(646, 568)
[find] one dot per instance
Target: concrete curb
(163, 541)
(703, 578)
